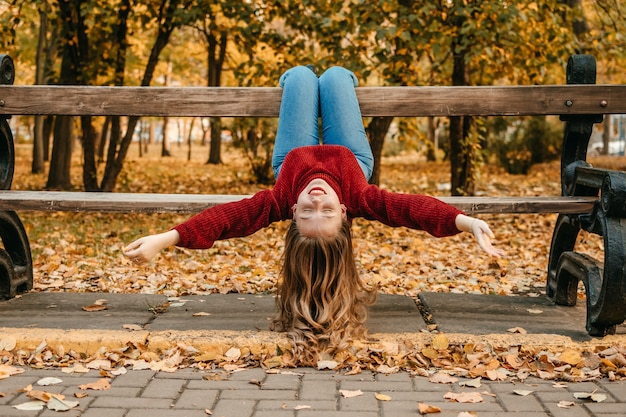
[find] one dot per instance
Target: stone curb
(89, 341)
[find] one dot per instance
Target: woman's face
(318, 211)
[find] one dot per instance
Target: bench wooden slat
(191, 203)
(265, 101)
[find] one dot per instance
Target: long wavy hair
(322, 302)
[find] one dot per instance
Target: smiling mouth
(317, 191)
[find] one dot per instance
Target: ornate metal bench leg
(605, 284)
(16, 264)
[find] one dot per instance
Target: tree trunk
(433, 145)
(462, 173)
(215, 64)
(189, 135)
(38, 164)
(165, 139)
(59, 175)
(376, 131)
(60, 164)
(103, 138)
(116, 162)
(215, 154)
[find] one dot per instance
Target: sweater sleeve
(224, 221)
(414, 211)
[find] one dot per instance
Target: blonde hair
(322, 302)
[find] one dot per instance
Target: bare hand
(483, 235)
(144, 249)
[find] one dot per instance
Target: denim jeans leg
(299, 114)
(342, 123)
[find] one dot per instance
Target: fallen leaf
(534, 311)
(467, 414)
(41, 395)
(101, 384)
(255, 382)
(327, 365)
(593, 396)
(519, 330)
(565, 404)
(350, 394)
(178, 304)
(233, 354)
(56, 404)
(442, 378)
(8, 343)
(464, 397)
(522, 392)
(119, 371)
(30, 406)
(386, 369)
(275, 362)
(424, 408)
(473, 383)
(7, 371)
(95, 307)
(208, 412)
(302, 407)
(49, 381)
(201, 314)
(440, 342)
(99, 364)
(76, 369)
(430, 353)
(80, 394)
(382, 397)
(571, 357)
(132, 327)
(354, 371)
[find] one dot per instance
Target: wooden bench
(592, 200)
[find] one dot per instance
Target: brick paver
(303, 392)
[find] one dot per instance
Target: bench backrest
(265, 101)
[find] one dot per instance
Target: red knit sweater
(338, 166)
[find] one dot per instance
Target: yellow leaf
(430, 353)
(570, 357)
(273, 362)
(440, 342)
(382, 397)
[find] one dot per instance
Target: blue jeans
(304, 99)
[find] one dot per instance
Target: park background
(250, 43)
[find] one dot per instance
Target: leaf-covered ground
(81, 252)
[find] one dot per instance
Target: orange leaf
(100, 385)
(427, 408)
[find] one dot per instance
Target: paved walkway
(300, 392)
(306, 392)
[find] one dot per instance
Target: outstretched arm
(145, 248)
(481, 232)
